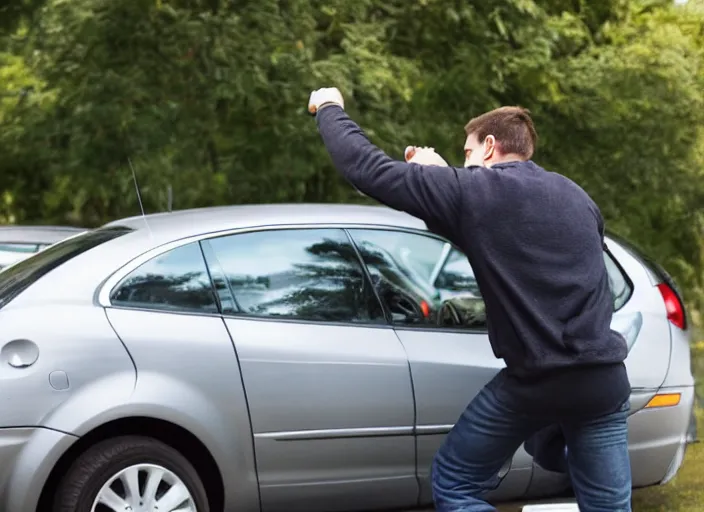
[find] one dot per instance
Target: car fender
(32, 467)
(159, 396)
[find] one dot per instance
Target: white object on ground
(551, 507)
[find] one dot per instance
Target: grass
(683, 494)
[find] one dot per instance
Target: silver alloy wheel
(144, 488)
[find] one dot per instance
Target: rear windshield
(657, 270)
(18, 277)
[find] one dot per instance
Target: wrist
(329, 104)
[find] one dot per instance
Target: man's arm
(599, 223)
(431, 193)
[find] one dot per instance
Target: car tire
(93, 469)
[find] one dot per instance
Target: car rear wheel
(131, 474)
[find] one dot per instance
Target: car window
(418, 297)
(303, 274)
(456, 276)
(418, 254)
(17, 277)
(618, 283)
(176, 281)
(217, 276)
(459, 292)
(18, 247)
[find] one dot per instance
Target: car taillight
(673, 305)
(425, 308)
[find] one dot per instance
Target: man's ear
(489, 147)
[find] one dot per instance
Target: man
(534, 239)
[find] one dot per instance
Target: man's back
(535, 240)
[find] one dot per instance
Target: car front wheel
(131, 474)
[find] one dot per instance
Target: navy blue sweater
(534, 239)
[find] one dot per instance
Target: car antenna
(139, 196)
(169, 198)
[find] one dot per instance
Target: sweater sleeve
(430, 193)
(599, 223)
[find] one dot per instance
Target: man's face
(476, 152)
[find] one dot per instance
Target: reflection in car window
(452, 300)
(174, 281)
(402, 288)
(304, 274)
(417, 254)
(457, 276)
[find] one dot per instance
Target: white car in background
(19, 242)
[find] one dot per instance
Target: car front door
(327, 380)
(426, 283)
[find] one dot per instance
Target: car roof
(36, 234)
(185, 223)
(164, 227)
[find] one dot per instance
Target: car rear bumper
(658, 439)
(27, 456)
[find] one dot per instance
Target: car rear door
(165, 312)
(327, 380)
(449, 365)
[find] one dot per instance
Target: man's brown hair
(512, 127)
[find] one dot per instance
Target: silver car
(279, 358)
(19, 242)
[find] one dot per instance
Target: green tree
(208, 98)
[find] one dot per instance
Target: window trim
(105, 289)
(624, 274)
(213, 290)
(111, 282)
(165, 311)
(388, 318)
(216, 267)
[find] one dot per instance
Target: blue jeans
(488, 433)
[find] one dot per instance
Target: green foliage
(209, 97)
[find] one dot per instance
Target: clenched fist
(424, 156)
(323, 97)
